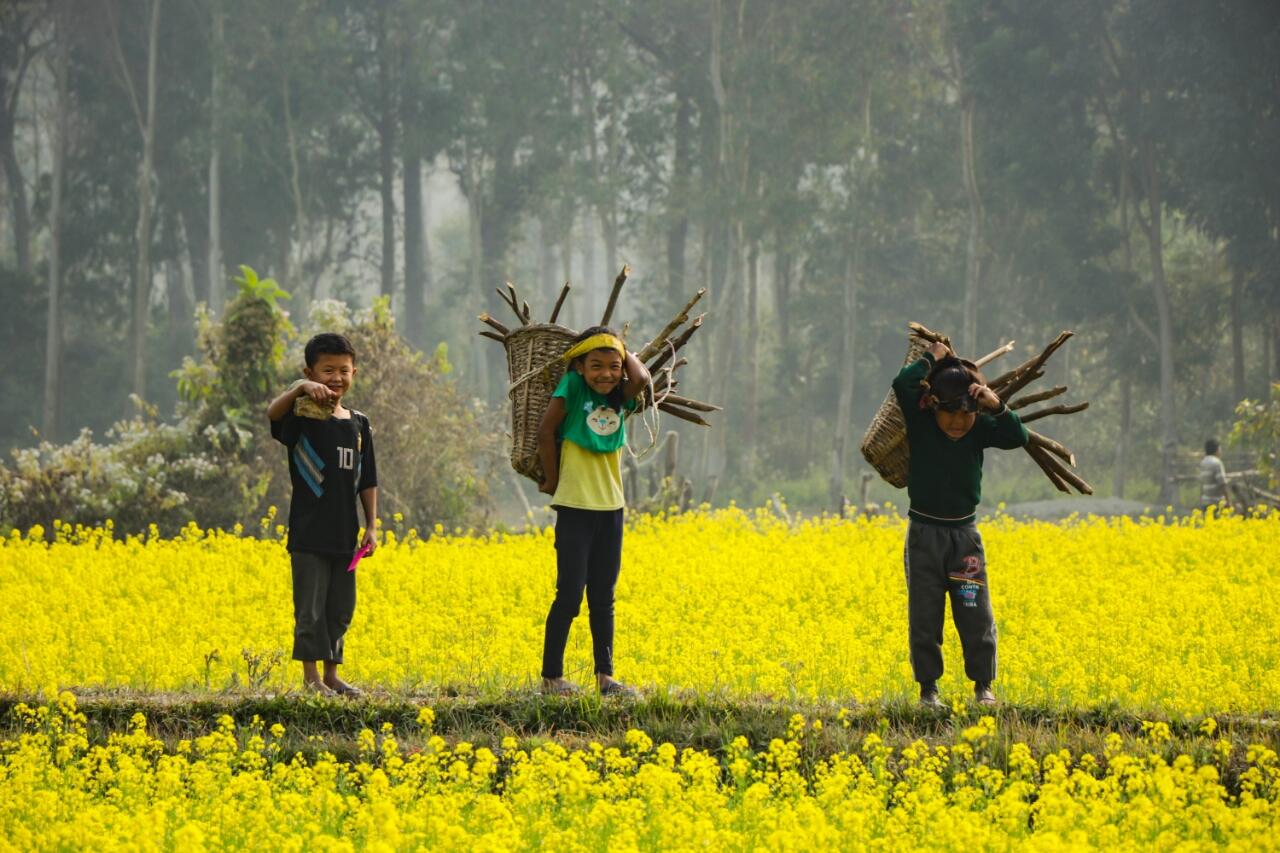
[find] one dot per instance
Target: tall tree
(51, 415)
(20, 23)
(217, 55)
(144, 112)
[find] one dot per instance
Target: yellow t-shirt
(589, 480)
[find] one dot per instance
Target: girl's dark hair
(616, 397)
(951, 377)
(327, 343)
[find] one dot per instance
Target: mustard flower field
(1103, 621)
(1177, 618)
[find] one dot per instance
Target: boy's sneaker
(983, 694)
(929, 697)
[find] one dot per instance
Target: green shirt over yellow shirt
(592, 436)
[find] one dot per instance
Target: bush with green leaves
(1257, 428)
(216, 463)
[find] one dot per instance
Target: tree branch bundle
(1055, 460)
(658, 354)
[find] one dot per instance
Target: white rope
(653, 421)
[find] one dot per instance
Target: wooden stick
(1022, 380)
(651, 348)
(555, 312)
(677, 344)
(696, 405)
(1053, 447)
(511, 301)
(1017, 383)
(1054, 410)
(485, 333)
(682, 414)
(613, 295)
(526, 313)
(498, 327)
(1038, 398)
(1046, 465)
(930, 336)
(994, 354)
(1060, 471)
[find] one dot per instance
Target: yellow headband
(595, 342)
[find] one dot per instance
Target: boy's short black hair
(949, 383)
(1211, 446)
(327, 343)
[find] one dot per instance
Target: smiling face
(602, 368)
(334, 371)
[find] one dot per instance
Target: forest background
(827, 170)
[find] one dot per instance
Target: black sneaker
(929, 697)
(984, 695)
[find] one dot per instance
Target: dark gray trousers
(324, 599)
(588, 556)
(941, 562)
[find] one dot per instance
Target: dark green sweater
(944, 477)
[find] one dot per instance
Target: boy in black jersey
(331, 464)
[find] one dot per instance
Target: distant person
(1213, 477)
(580, 441)
(331, 465)
(951, 417)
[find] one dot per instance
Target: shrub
(216, 464)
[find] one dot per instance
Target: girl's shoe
(984, 695)
(317, 687)
(559, 687)
(617, 688)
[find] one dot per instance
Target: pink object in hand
(363, 552)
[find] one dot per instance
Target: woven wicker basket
(535, 368)
(885, 443)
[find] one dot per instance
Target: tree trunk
(386, 156)
(751, 373)
(1153, 225)
(782, 294)
(973, 244)
(217, 280)
(1238, 391)
(10, 97)
(415, 260)
(844, 369)
(590, 280)
(142, 280)
(475, 222)
(17, 191)
(1275, 343)
(197, 251)
(548, 287)
(1120, 469)
(678, 212)
(51, 414)
(294, 277)
(1268, 347)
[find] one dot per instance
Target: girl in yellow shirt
(580, 443)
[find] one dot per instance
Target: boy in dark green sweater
(951, 417)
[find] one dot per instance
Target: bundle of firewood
(885, 447)
(535, 365)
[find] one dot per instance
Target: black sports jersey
(330, 463)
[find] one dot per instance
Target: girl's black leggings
(588, 556)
